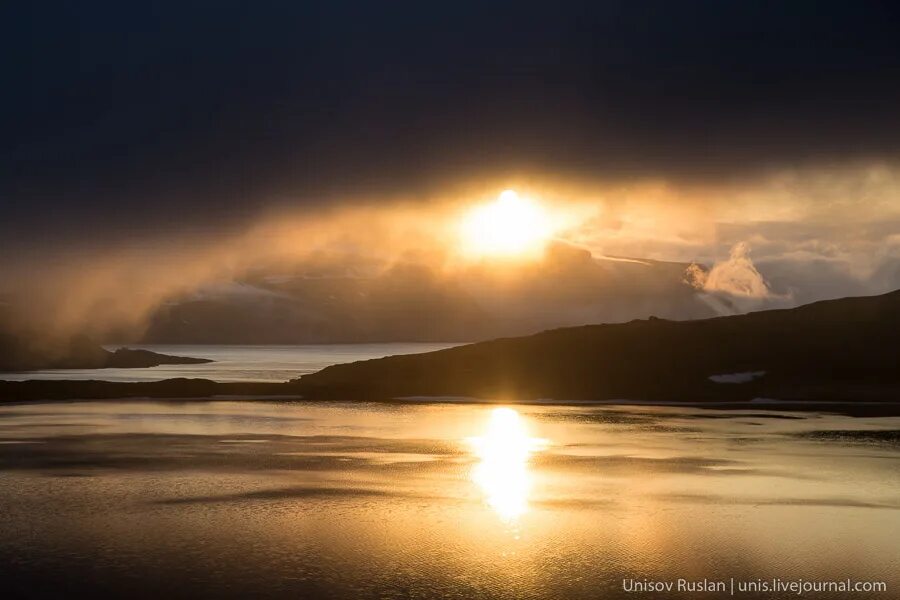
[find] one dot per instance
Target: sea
(261, 499)
(424, 499)
(237, 363)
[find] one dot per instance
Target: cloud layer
(378, 270)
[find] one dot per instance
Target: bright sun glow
(502, 472)
(510, 226)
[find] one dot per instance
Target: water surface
(237, 499)
(238, 363)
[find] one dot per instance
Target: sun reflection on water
(503, 471)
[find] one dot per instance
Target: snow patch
(743, 377)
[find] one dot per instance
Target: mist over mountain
(412, 302)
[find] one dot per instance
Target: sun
(508, 227)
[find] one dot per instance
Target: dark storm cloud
(129, 114)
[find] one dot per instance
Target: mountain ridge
(832, 343)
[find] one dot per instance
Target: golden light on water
(503, 472)
(510, 226)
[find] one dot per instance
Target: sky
(173, 133)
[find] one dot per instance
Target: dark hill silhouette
(830, 349)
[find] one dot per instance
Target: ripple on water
(321, 500)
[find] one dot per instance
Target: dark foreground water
(253, 499)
